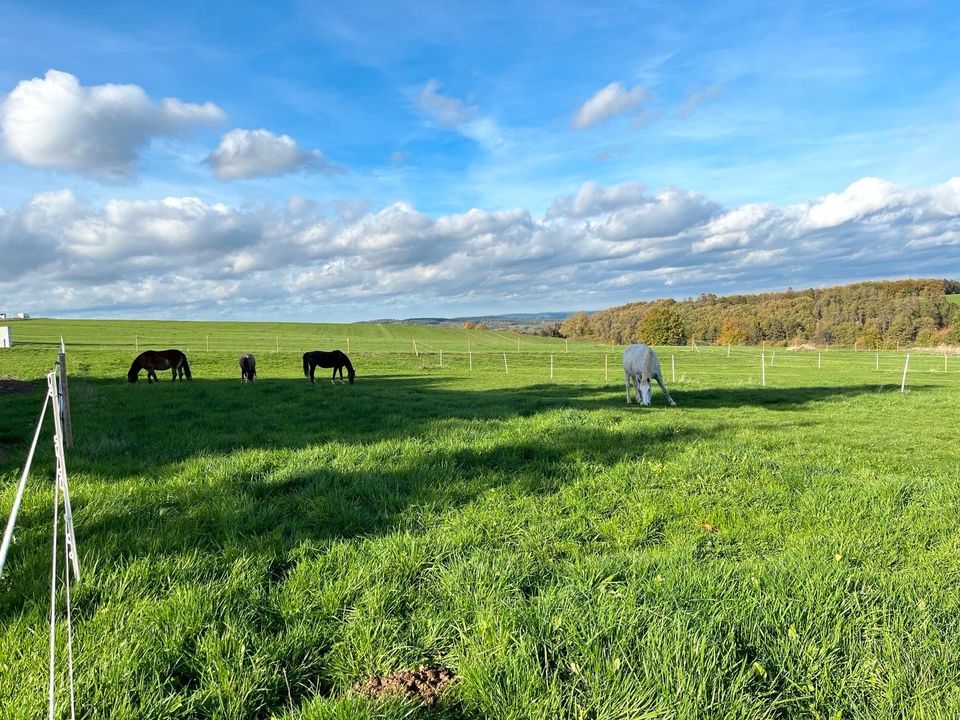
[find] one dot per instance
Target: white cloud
(245, 154)
(592, 199)
(457, 115)
(695, 98)
(599, 247)
(446, 110)
(55, 122)
(612, 100)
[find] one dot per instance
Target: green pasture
(253, 551)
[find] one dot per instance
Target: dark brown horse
(153, 360)
(334, 359)
(248, 367)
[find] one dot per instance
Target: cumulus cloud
(244, 154)
(608, 102)
(55, 122)
(593, 199)
(597, 247)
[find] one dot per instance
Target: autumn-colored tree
(661, 325)
(870, 338)
(734, 331)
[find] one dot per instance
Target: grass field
(788, 551)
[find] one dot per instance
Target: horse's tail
(186, 367)
(306, 367)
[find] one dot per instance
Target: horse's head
(351, 374)
(133, 374)
(645, 394)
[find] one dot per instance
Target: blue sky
(401, 118)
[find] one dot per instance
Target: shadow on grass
(155, 478)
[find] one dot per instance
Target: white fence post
(818, 360)
(903, 381)
(470, 359)
(64, 404)
(606, 367)
(441, 358)
(506, 370)
(877, 366)
(763, 369)
(673, 369)
(566, 342)
(551, 367)
(728, 349)
(773, 358)
(415, 352)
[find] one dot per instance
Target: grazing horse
(333, 359)
(248, 367)
(153, 360)
(640, 364)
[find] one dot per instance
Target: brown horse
(153, 360)
(248, 367)
(334, 359)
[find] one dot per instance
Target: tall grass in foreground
(253, 551)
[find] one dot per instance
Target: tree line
(881, 314)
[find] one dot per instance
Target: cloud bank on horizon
(593, 248)
(407, 161)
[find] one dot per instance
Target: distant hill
(868, 314)
(520, 321)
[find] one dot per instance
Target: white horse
(640, 363)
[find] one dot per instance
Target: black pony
(334, 359)
(153, 360)
(248, 367)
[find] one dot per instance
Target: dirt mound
(9, 385)
(425, 683)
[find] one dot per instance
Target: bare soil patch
(424, 683)
(11, 386)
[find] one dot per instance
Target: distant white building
(3, 316)
(23, 316)
(5, 340)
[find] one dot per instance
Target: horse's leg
(636, 389)
(664, 388)
(334, 376)
(313, 369)
(626, 380)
